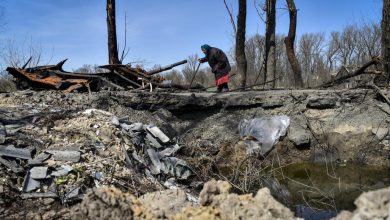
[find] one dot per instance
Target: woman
(219, 64)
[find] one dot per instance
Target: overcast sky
(159, 31)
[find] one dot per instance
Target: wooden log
(358, 72)
(126, 79)
(161, 69)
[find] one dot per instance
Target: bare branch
(125, 50)
(230, 12)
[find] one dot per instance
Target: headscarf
(206, 47)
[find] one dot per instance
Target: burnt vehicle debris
(118, 77)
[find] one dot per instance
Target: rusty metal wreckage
(118, 76)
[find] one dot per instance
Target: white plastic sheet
(261, 134)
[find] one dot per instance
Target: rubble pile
(57, 155)
(152, 150)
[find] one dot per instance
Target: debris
(39, 195)
(169, 151)
(176, 167)
(72, 156)
(157, 133)
(153, 156)
(74, 194)
(322, 103)
(11, 151)
(65, 169)
(30, 184)
(3, 133)
(153, 141)
(11, 165)
(98, 176)
(380, 133)
(38, 160)
(158, 149)
(98, 111)
(120, 77)
(261, 134)
(38, 172)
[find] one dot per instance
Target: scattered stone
(299, 136)
(380, 132)
(3, 133)
(48, 201)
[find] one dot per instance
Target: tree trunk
(270, 43)
(111, 29)
(386, 38)
(240, 42)
(289, 42)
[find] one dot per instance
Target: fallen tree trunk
(358, 72)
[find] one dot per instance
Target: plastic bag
(261, 134)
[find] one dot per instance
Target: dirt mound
(215, 199)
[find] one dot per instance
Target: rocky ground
(91, 165)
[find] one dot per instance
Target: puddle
(319, 191)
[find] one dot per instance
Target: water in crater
(320, 191)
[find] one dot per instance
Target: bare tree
(240, 42)
(255, 57)
(386, 38)
(289, 41)
(111, 29)
(270, 42)
(311, 55)
(239, 34)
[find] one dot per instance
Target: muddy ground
(338, 127)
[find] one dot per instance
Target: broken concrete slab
(157, 133)
(272, 104)
(11, 151)
(72, 156)
(3, 133)
(38, 172)
(12, 165)
(322, 103)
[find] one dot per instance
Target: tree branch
(230, 12)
